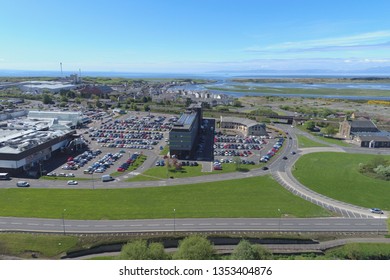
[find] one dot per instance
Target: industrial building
(26, 143)
(246, 127)
(364, 132)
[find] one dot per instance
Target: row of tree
(194, 247)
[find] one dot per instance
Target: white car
(72, 182)
(22, 184)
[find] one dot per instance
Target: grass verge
(250, 197)
(336, 175)
(305, 142)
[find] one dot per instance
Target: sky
(194, 36)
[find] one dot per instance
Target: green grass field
(162, 173)
(336, 175)
(305, 142)
(48, 246)
(334, 141)
(250, 197)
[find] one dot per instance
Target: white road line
(221, 224)
(187, 224)
(271, 224)
(322, 224)
(49, 225)
(100, 226)
(287, 224)
(31, 224)
(136, 225)
(153, 225)
(82, 226)
(118, 225)
(16, 223)
(238, 224)
(205, 224)
(255, 224)
(303, 224)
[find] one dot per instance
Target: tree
(135, 250)
(146, 108)
(310, 125)
(47, 99)
(329, 130)
(140, 250)
(195, 248)
(156, 252)
(237, 103)
(237, 161)
(246, 251)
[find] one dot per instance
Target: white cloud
(364, 41)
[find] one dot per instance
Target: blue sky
(194, 36)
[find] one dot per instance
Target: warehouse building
(26, 143)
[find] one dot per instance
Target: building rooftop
(185, 121)
(362, 124)
(243, 121)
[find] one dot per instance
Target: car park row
(273, 151)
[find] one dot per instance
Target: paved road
(197, 225)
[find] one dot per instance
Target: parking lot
(249, 150)
(114, 145)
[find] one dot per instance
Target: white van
(107, 178)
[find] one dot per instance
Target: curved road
(356, 219)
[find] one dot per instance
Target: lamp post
(280, 218)
(63, 220)
(174, 221)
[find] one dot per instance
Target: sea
(224, 81)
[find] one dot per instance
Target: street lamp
(63, 220)
(174, 221)
(93, 182)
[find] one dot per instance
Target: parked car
(72, 182)
(22, 184)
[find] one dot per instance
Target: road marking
(31, 224)
(82, 226)
(49, 225)
(153, 225)
(187, 224)
(118, 225)
(238, 224)
(287, 224)
(271, 224)
(205, 224)
(100, 225)
(303, 224)
(341, 224)
(255, 224)
(136, 225)
(16, 223)
(221, 224)
(322, 224)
